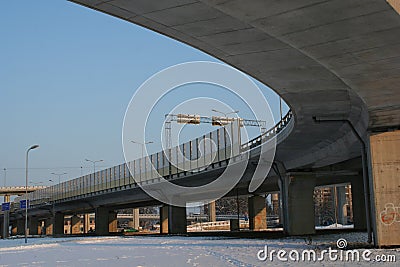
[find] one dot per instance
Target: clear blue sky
(67, 74)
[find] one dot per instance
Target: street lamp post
(94, 169)
(226, 114)
(5, 176)
(142, 145)
(26, 191)
(141, 159)
(94, 163)
(36, 183)
(59, 176)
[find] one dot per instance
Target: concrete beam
(384, 174)
(257, 213)
(299, 205)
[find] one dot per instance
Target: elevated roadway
(18, 190)
(330, 60)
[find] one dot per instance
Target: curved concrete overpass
(335, 59)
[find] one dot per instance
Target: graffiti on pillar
(390, 214)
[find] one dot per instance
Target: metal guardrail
(149, 169)
(269, 134)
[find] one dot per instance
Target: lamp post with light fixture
(26, 191)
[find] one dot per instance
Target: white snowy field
(172, 251)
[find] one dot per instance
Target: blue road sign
(22, 204)
(5, 206)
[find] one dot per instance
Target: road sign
(5, 206)
(22, 204)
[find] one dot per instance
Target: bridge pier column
(173, 220)
(14, 228)
(299, 204)
(212, 215)
(384, 171)
(135, 219)
(341, 204)
(257, 213)
(105, 221)
(58, 224)
(275, 203)
(164, 219)
(6, 225)
(48, 225)
(33, 225)
(75, 225)
(86, 223)
(358, 203)
(21, 226)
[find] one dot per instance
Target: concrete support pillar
(257, 213)
(21, 226)
(234, 225)
(275, 203)
(212, 215)
(341, 205)
(48, 225)
(41, 228)
(177, 220)
(357, 196)
(299, 204)
(75, 225)
(384, 170)
(58, 224)
(33, 226)
(105, 221)
(112, 222)
(173, 220)
(14, 228)
(135, 219)
(86, 223)
(164, 220)
(6, 225)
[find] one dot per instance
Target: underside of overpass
(334, 60)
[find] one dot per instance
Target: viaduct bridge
(336, 64)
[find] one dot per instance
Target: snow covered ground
(170, 251)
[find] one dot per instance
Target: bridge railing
(214, 148)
